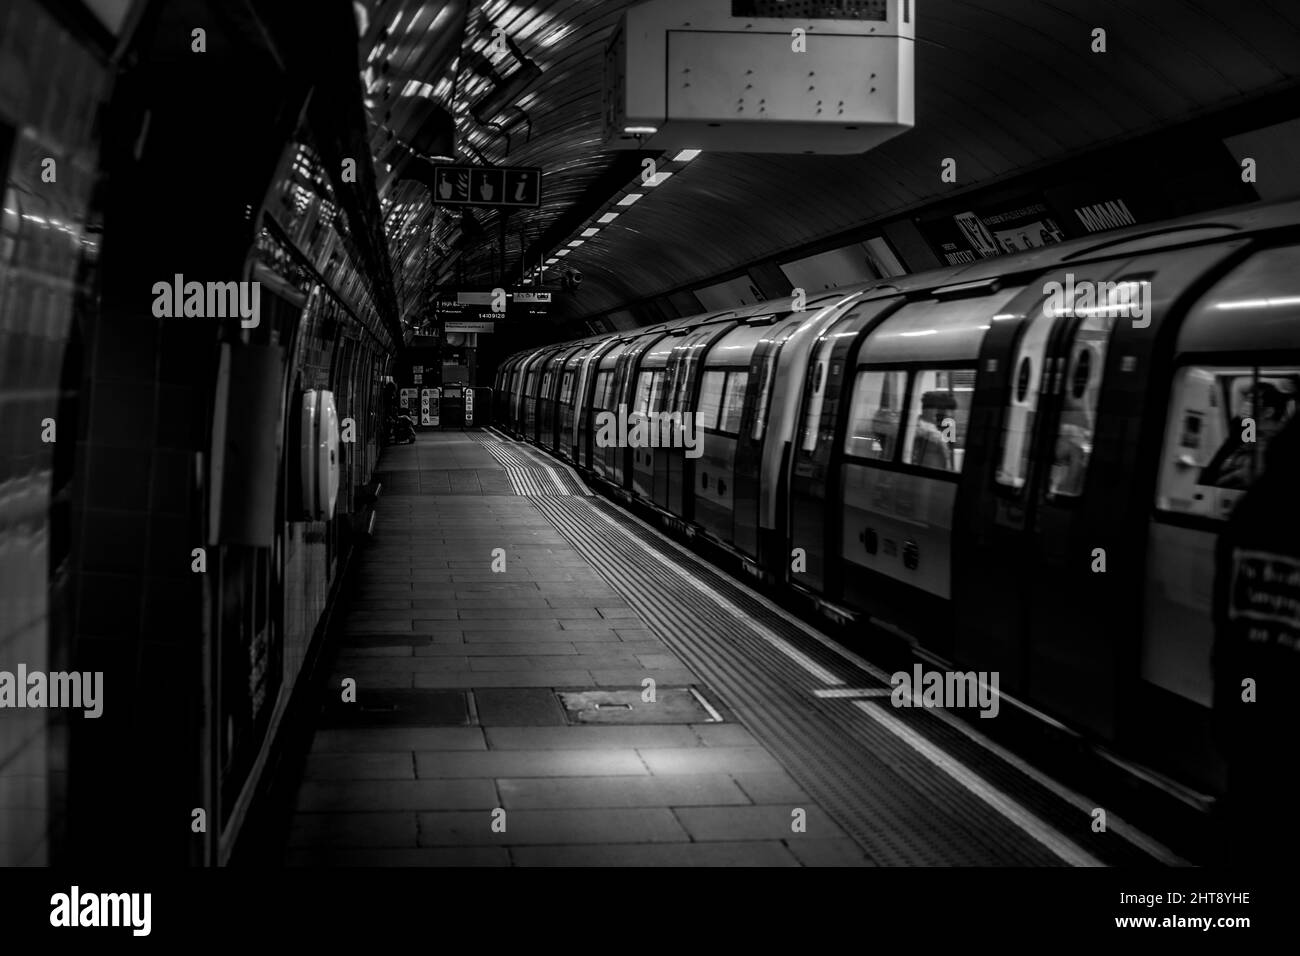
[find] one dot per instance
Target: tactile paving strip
(895, 804)
(525, 477)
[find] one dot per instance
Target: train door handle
(870, 540)
(722, 487)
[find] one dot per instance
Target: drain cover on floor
(672, 705)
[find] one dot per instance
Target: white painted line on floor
(542, 459)
(715, 716)
(800, 658)
(1049, 836)
(837, 692)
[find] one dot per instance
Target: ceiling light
(590, 232)
(629, 199)
(686, 155)
(551, 261)
(609, 217)
(640, 130)
(576, 242)
(562, 252)
(656, 179)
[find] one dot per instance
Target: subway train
(1016, 465)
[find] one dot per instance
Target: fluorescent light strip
(576, 242)
(686, 155)
(629, 199)
(561, 252)
(608, 217)
(590, 232)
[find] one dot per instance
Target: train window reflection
(657, 391)
(936, 430)
(1221, 420)
(641, 404)
(599, 395)
(710, 399)
(876, 414)
(1013, 466)
(1073, 448)
(733, 401)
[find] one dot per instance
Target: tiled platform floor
(471, 659)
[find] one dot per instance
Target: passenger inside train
(1261, 407)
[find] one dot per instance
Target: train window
(710, 399)
(733, 402)
(816, 383)
(876, 414)
(1018, 427)
(657, 394)
(1074, 432)
(566, 387)
(641, 404)
(936, 423)
(599, 395)
(768, 374)
(1221, 420)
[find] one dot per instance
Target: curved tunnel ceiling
(1001, 88)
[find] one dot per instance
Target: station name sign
(514, 187)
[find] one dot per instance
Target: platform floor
(765, 744)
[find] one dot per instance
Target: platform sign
(406, 398)
(430, 407)
(417, 369)
(417, 378)
(497, 186)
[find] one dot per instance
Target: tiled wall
(49, 88)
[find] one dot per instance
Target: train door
(634, 398)
(651, 390)
(566, 408)
(725, 393)
(753, 432)
(606, 450)
(814, 525)
(547, 391)
(532, 379)
(590, 394)
(684, 375)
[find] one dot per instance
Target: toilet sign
(430, 406)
